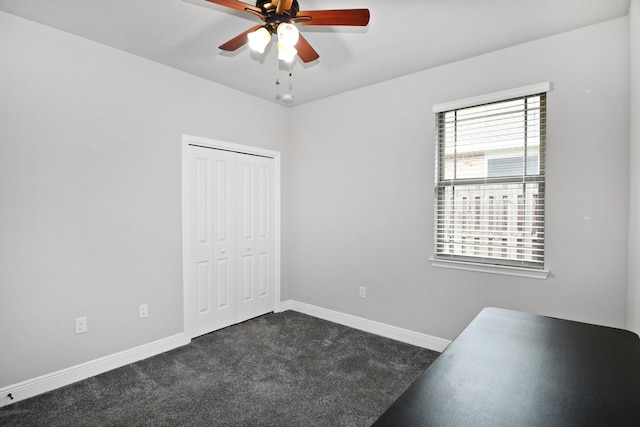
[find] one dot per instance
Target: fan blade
(352, 17)
(239, 40)
(237, 5)
(305, 51)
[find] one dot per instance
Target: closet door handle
(222, 251)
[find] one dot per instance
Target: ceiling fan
(280, 17)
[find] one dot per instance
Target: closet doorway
(231, 233)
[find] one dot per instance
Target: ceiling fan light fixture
(259, 39)
(285, 53)
(288, 34)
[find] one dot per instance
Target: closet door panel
(199, 241)
(224, 247)
(256, 242)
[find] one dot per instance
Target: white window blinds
(490, 182)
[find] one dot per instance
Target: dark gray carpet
(284, 369)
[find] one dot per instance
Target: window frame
(474, 262)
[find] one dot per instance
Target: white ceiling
(403, 36)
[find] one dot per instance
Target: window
(490, 181)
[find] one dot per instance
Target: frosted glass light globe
(288, 34)
(259, 39)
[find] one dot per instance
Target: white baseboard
(63, 377)
(382, 329)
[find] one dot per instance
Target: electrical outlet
(143, 310)
(81, 325)
(363, 292)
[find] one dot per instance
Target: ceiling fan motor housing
(272, 19)
(267, 5)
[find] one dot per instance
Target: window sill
(491, 269)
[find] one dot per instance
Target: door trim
(189, 140)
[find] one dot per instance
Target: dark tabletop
(509, 368)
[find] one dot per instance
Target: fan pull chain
(278, 71)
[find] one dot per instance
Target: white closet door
(210, 236)
(255, 236)
(229, 244)
(224, 245)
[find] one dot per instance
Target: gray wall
(362, 197)
(633, 303)
(90, 193)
